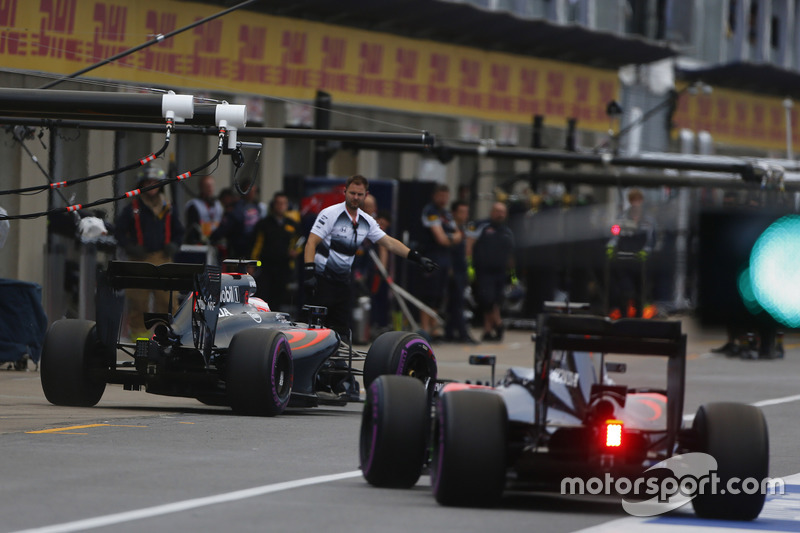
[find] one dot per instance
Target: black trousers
(337, 296)
(455, 325)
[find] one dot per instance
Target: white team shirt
(341, 237)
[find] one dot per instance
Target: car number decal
(229, 294)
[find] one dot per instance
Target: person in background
(254, 209)
(275, 238)
(493, 259)
(148, 229)
(634, 239)
(380, 287)
(439, 236)
(455, 328)
(241, 214)
(219, 237)
(363, 267)
(203, 214)
(370, 206)
(336, 235)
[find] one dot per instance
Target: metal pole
(680, 301)
(787, 105)
(87, 281)
(419, 141)
(56, 247)
(38, 102)
(322, 121)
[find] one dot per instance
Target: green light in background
(775, 271)
(746, 292)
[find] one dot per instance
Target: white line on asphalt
(761, 403)
(775, 401)
(158, 510)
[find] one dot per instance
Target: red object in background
(319, 201)
(615, 229)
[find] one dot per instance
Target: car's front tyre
(394, 428)
(401, 353)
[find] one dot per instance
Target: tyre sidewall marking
(373, 389)
(405, 351)
(440, 445)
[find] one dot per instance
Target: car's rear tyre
(401, 353)
(394, 427)
(469, 449)
(259, 372)
(70, 364)
(736, 436)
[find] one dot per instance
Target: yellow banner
(246, 52)
(737, 118)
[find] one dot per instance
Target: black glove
(424, 262)
(309, 279)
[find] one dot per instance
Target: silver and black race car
(221, 346)
(565, 419)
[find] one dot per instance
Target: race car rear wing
(167, 277)
(203, 280)
(632, 336)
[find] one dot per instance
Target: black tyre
(260, 372)
(736, 436)
(71, 364)
(394, 428)
(401, 353)
(469, 449)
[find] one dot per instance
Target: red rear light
(615, 229)
(613, 433)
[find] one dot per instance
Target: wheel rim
(283, 375)
(419, 368)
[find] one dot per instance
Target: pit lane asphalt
(122, 461)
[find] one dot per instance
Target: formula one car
(222, 346)
(565, 419)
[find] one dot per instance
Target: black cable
(238, 162)
(69, 183)
(129, 194)
(21, 141)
